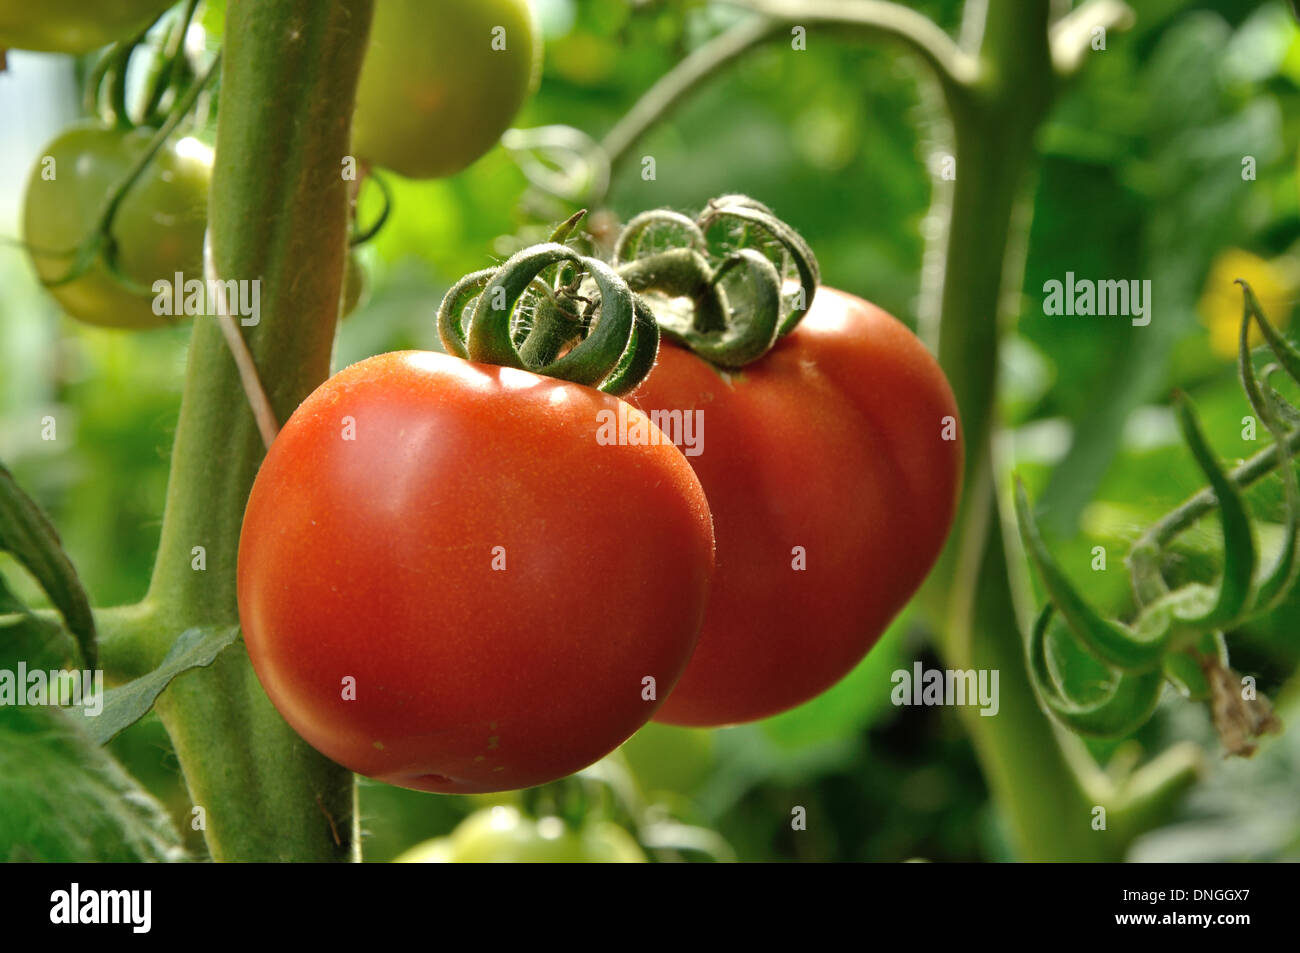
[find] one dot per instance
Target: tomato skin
(74, 26)
(502, 834)
(373, 558)
(158, 227)
(433, 94)
(831, 442)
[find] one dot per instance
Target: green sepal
(753, 328)
(611, 356)
(639, 358)
(793, 249)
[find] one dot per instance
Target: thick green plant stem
(1045, 786)
(278, 216)
(1040, 797)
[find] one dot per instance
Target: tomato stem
(279, 217)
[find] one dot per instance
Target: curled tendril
(1131, 649)
(612, 351)
(729, 267)
(361, 236)
(1178, 634)
(560, 160)
(1125, 700)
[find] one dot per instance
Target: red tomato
(453, 537)
(833, 442)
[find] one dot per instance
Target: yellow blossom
(1221, 302)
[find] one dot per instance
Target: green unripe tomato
(436, 851)
(73, 26)
(158, 228)
(437, 89)
(504, 835)
(669, 758)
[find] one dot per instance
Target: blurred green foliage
(1141, 177)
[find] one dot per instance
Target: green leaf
(64, 799)
(123, 706)
(26, 532)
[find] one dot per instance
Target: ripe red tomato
(453, 537)
(833, 442)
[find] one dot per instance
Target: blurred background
(1140, 177)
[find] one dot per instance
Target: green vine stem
(1044, 783)
(278, 215)
(679, 82)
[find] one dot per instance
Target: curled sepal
(1136, 649)
(566, 227)
(612, 348)
(655, 232)
(1238, 543)
(1287, 354)
(639, 358)
(748, 287)
(451, 313)
(1118, 707)
(750, 224)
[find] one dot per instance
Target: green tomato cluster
(157, 230)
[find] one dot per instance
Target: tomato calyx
(517, 318)
(727, 285)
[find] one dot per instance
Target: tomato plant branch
(877, 18)
(1045, 785)
(920, 35)
(279, 217)
(1187, 513)
(683, 79)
